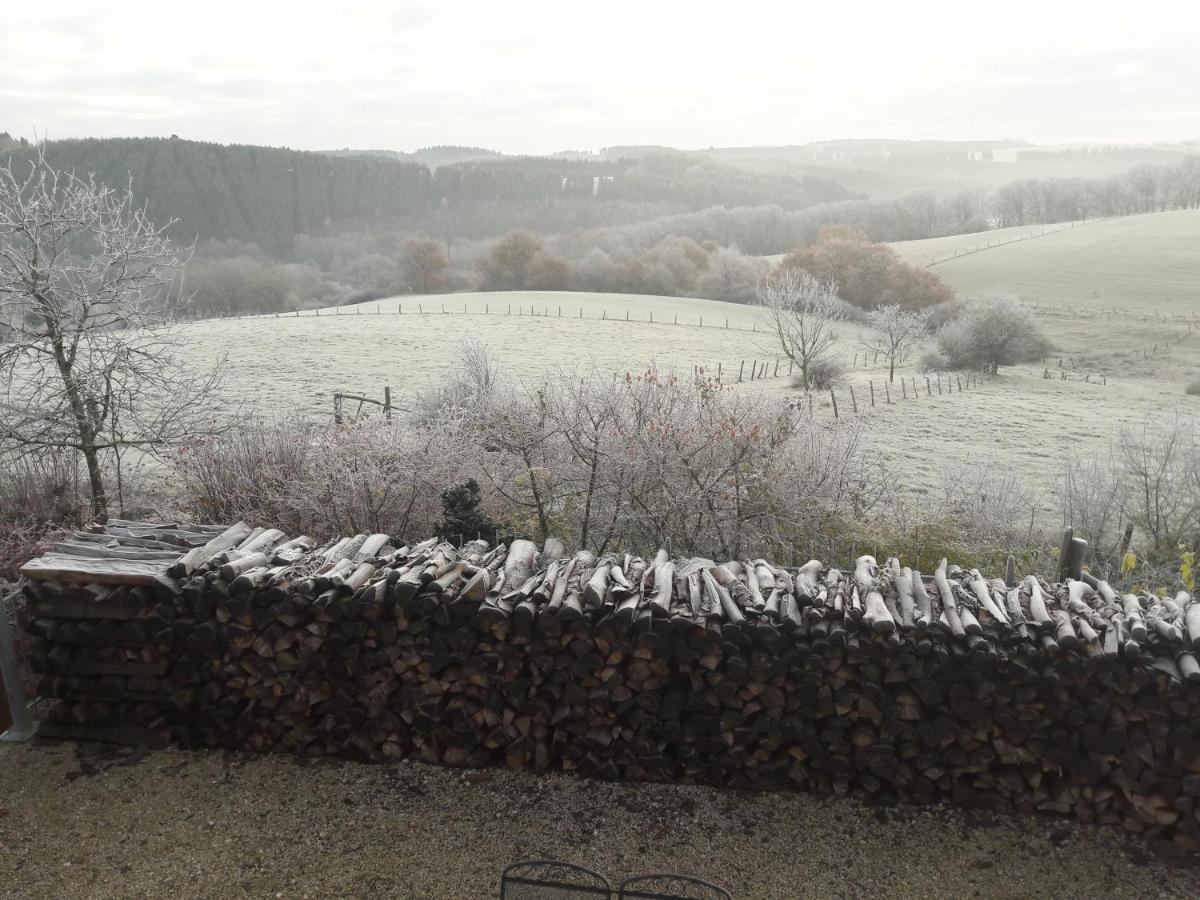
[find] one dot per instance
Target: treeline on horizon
(278, 229)
(269, 195)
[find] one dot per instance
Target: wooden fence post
(741, 369)
(387, 402)
(928, 387)
(853, 401)
(887, 393)
(718, 371)
(833, 397)
(776, 375)
(903, 390)
(872, 384)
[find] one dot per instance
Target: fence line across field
(992, 245)
(761, 370)
(722, 323)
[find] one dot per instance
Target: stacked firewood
(102, 621)
(881, 681)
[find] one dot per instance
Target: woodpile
(881, 682)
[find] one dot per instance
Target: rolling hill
(1148, 263)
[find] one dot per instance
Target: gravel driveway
(84, 821)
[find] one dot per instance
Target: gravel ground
(84, 821)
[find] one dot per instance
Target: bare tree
(87, 344)
(425, 265)
(1159, 463)
(802, 311)
(897, 329)
(1092, 496)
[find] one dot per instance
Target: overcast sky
(541, 76)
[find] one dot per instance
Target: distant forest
(278, 229)
(268, 195)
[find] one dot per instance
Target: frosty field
(1098, 287)
(299, 362)
(1148, 263)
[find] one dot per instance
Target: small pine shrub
(462, 519)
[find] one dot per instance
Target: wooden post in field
(676, 318)
(939, 378)
(702, 321)
(855, 363)
(420, 309)
(853, 401)
(726, 324)
(928, 387)
(560, 310)
(872, 384)
(387, 402)
(833, 397)
(887, 393)
(741, 369)
(776, 375)
(626, 315)
(903, 390)
(651, 315)
(791, 365)
(718, 371)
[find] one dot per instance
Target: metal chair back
(668, 886)
(552, 879)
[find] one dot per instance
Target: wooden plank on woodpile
(82, 570)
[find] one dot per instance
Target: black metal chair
(670, 887)
(552, 879)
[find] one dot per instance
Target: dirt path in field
(100, 822)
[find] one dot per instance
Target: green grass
(1146, 264)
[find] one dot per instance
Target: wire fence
(993, 244)
(504, 310)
